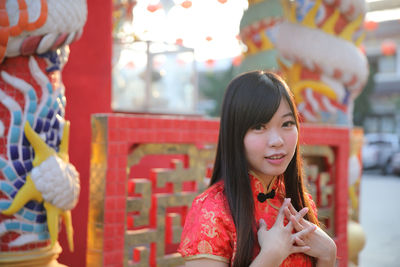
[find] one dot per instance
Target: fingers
(281, 215)
(300, 249)
(287, 213)
(292, 209)
(305, 232)
(299, 241)
(289, 226)
(296, 218)
(299, 214)
(302, 213)
(297, 226)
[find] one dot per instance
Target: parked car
(394, 164)
(378, 150)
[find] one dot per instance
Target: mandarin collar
(258, 185)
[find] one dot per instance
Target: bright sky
(383, 15)
(208, 26)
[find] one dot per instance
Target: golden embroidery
(272, 205)
(204, 247)
(209, 229)
(185, 245)
(201, 198)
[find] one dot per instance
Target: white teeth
(275, 157)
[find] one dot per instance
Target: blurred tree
(362, 104)
(212, 86)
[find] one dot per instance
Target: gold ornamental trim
(208, 256)
(42, 257)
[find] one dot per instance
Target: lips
(275, 159)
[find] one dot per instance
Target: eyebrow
(289, 114)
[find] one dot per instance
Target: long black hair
(252, 98)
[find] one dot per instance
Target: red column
(87, 79)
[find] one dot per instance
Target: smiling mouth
(276, 157)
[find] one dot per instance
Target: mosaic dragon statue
(38, 185)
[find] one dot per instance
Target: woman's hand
(279, 242)
(321, 245)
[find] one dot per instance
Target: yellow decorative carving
(360, 39)
(309, 19)
(329, 25)
(251, 48)
(29, 191)
(266, 42)
(289, 10)
(348, 32)
(316, 86)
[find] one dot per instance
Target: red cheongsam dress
(209, 230)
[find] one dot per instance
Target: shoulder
(212, 196)
(209, 206)
(209, 231)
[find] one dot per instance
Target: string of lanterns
(211, 40)
(388, 47)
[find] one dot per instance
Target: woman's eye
(289, 123)
(258, 127)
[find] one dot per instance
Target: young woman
(256, 184)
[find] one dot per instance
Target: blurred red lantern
(371, 25)
(210, 62)
(181, 61)
(208, 38)
(222, 1)
(237, 60)
(130, 65)
(179, 41)
(153, 8)
(388, 47)
(186, 4)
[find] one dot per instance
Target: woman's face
(270, 147)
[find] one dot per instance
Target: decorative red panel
(146, 170)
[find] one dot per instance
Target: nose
(275, 139)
